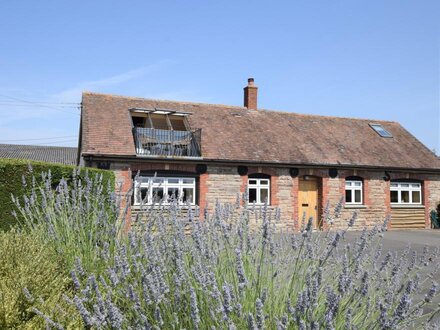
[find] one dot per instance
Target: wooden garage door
(407, 218)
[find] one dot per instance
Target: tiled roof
(62, 155)
(233, 133)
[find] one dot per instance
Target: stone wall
(223, 183)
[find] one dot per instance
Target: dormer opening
(159, 132)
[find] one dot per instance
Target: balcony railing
(159, 142)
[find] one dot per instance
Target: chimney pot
(250, 95)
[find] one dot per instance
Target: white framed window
(259, 190)
(353, 192)
(406, 193)
(151, 190)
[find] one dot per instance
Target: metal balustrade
(159, 142)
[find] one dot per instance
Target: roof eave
(132, 157)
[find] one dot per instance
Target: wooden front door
(308, 201)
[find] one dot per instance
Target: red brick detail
(274, 190)
(124, 184)
(325, 189)
(244, 183)
(425, 199)
(203, 186)
(162, 167)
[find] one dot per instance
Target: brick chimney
(250, 95)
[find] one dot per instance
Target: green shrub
(26, 263)
(12, 172)
(74, 218)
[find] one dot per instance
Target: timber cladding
(408, 218)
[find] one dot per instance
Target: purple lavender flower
(194, 308)
(259, 313)
(431, 293)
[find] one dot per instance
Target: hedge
(12, 172)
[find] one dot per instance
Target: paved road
(399, 239)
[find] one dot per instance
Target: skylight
(381, 131)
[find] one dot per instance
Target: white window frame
(353, 186)
(406, 186)
(163, 182)
(261, 183)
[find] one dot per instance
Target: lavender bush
(234, 270)
(75, 217)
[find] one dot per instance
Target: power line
(48, 138)
(45, 102)
(55, 142)
(36, 104)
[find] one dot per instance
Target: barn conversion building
(298, 163)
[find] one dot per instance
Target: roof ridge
(35, 146)
(236, 107)
(164, 100)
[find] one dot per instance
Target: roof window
(160, 119)
(381, 131)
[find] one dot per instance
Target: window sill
(157, 206)
(407, 206)
(355, 206)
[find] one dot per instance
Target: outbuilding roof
(232, 133)
(50, 154)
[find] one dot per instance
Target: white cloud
(74, 94)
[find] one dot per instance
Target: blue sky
(366, 59)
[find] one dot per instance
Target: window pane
(348, 183)
(415, 185)
(143, 179)
(252, 195)
(348, 196)
(144, 193)
(138, 121)
(357, 183)
(157, 180)
(405, 185)
(159, 121)
(188, 180)
(177, 123)
(173, 193)
(141, 194)
(252, 181)
(264, 182)
(404, 196)
(394, 197)
(357, 196)
(416, 197)
(394, 185)
(188, 195)
(173, 180)
(157, 194)
(264, 195)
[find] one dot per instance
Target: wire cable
(48, 138)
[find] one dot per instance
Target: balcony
(167, 143)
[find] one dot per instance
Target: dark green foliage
(12, 172)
